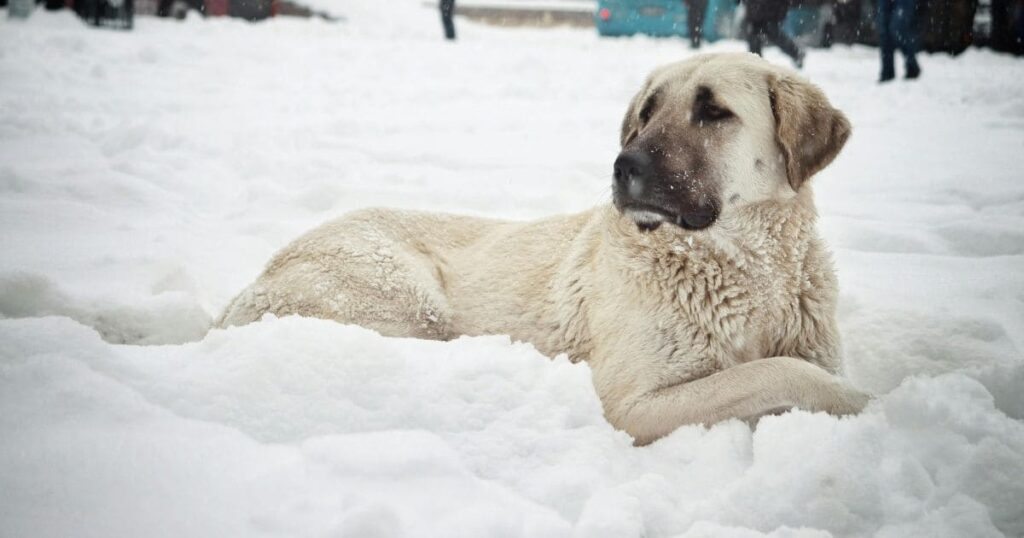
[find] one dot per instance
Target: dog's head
(717, 132)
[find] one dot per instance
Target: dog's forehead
(726, 76)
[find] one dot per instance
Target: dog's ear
(631, 121)
(808, 129)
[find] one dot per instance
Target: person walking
(764, 24)
(897, 28)
(695, 18)
(447, 10)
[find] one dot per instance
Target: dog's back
(416, 274)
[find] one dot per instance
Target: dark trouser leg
(904, 32)
(886, 40)
(773, 31)
(695, 17)
(755, 36)
(447, 9)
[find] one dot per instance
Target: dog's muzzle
(640, 194)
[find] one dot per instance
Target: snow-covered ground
(145, 177)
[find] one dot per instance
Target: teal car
(662, 18)
(667, 18)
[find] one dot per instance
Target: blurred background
(944, 25)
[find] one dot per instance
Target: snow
(145, 177)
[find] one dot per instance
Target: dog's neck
(757, 230)
(749, 235)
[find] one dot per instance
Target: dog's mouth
(647, 218)
(650, 217)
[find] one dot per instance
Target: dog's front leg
(746, 391)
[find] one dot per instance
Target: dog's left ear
(807, 128)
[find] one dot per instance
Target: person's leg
(695, 17)
(755, 36)
(447, 9)
(904, 31)
(885, 39)
(773, 30)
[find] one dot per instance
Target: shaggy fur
(679, 326)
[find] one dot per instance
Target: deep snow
(145, 177)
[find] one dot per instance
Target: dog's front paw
(846, 400)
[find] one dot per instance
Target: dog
(701, 293)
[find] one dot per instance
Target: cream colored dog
(703, 293)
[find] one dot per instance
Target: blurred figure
(897, 28)
(764, 23)
(944, 25)
(847, 24)
(179, 8)
(447, 10)
(695, 17)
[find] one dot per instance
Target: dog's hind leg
(381, 284)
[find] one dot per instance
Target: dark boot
(888, 63)
(913, 70)
(447, 11)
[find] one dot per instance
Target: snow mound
(167, 316)
(305, 426)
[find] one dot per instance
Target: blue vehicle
(806, 24)
(661, 18)
(668, 18)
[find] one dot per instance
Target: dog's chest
(723, 311)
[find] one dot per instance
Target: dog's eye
(712, 112)
(705, 109)
(717, 113)
(647, 110)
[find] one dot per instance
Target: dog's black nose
(632, 169)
